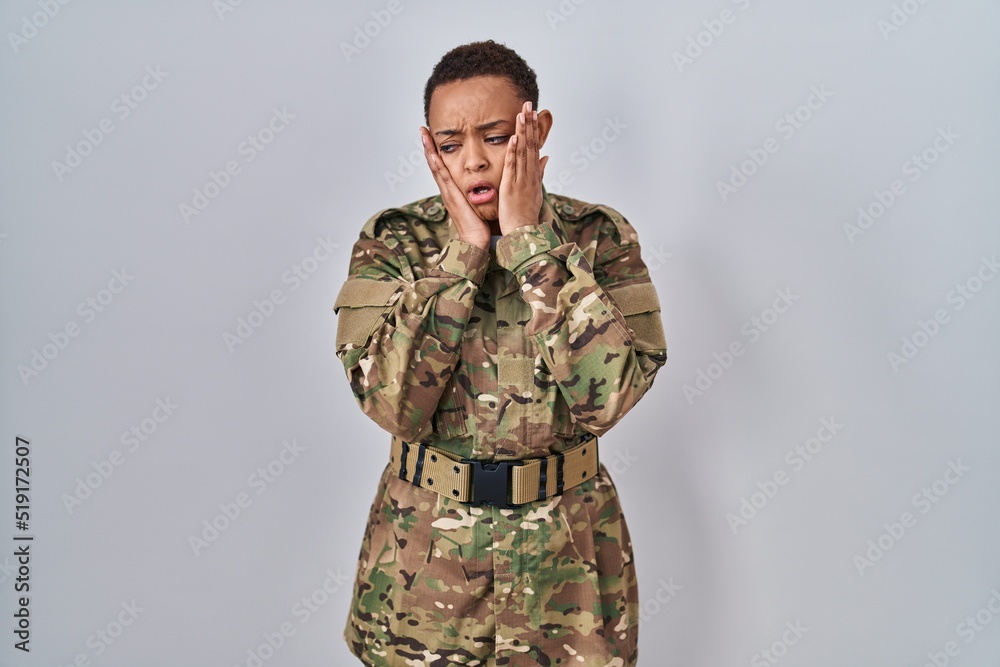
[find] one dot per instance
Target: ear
(544, 125)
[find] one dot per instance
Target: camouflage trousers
(426, 592)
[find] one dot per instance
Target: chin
(487, 211)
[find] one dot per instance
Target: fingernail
(534, 115)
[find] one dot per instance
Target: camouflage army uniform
(511, 352)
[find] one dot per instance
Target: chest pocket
(562, 421)
(545, 407)
(450, 417)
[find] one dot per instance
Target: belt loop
(542, 486)
(421, 451)
(402, 459)
(559, 472)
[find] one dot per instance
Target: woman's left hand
(521, 182)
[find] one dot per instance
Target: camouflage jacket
(505, 353)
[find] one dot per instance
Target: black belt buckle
(491, 482)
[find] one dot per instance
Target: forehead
(475, 99)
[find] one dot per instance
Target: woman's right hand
(470, 226)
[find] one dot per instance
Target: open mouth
(482, 193)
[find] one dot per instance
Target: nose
(475, 157)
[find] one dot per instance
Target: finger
(430, 154)
(442, 176)
(448, 186)
(541, 163)
(509, 164)
(429, 151)
(438, 168)
(521, 147)
(531, 150)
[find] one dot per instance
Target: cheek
(451, 159)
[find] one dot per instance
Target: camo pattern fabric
(511, 352)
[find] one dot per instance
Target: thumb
(544, 161)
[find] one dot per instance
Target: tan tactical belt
(505, 484)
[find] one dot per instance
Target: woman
(495, 330)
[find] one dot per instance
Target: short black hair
(482, 59)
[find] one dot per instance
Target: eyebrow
(484, 126)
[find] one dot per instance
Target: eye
(445, 147)
(501, 139)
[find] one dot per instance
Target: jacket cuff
(467, 260)
(524, 243)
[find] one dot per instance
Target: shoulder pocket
(365, 300)
(640, 305)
